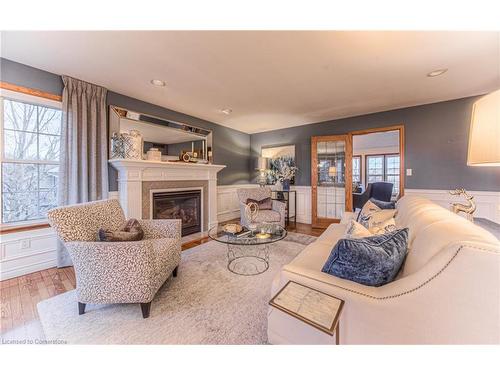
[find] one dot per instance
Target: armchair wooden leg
(81, 308)
(174, 273)
(146, 309)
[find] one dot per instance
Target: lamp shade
(332, 171)
(262, 163)
(484, 134)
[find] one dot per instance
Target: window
(356, 169)
(375, 165)
(383, 168)
(392, 171)
(30, 136)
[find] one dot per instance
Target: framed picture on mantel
(276, 154)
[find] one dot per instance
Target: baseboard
(9, 273)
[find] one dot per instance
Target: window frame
(360, 157)
(37, 101)
(384, 166)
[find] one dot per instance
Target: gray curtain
(83, 172)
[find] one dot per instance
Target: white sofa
(448, 291)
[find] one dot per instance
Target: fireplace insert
(184, 205)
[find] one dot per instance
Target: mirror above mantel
(172, 138)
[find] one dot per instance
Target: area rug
(205, 304)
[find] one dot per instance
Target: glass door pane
(331, 179)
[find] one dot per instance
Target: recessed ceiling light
(158, 82)
(437, 72)
(226, 111)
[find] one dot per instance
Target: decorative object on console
(372, 261)
(262, 167)
(468, 208)
(129, 231)
(154, 154)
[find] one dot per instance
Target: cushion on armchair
(130, 231)
(264, 204)
(372, 261)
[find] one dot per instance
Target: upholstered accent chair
(116, 272)
(381, 191)
(275, 215)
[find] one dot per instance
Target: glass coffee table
(248, 254)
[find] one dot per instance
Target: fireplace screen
(184, 205)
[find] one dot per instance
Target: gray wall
(230, 147)
(436, 137)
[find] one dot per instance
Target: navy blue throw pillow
(373, 261)
(383, 205)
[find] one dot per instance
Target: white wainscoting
(487, 202)
(27, 252)
(228, 206)
(30, 251)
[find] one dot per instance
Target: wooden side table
(317, 309)
(284, 196)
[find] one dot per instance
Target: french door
(331, 178)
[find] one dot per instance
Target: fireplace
(184, 205)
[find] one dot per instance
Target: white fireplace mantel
(131, 174)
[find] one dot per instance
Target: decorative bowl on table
(232, 228)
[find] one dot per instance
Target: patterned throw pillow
(384, 227)
(371, 215)
(372, 261)
(356, 230)
(264, 204)
(130, 231)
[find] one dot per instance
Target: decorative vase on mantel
(278, 186)
(286, 185)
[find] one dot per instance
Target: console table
(284, 196)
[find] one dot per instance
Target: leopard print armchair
(116, 272)
(275, 215)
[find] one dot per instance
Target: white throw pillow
(372, 215)
(385, 227)
(356, 230)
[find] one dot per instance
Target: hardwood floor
(20, 295)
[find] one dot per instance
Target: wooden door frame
(323, 222)
(401, 129)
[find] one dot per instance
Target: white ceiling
(270, 79)
(375, 140)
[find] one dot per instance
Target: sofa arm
(113, 272)
(168, 228)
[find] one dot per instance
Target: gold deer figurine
(468, 208)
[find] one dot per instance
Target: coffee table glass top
(262, 234)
